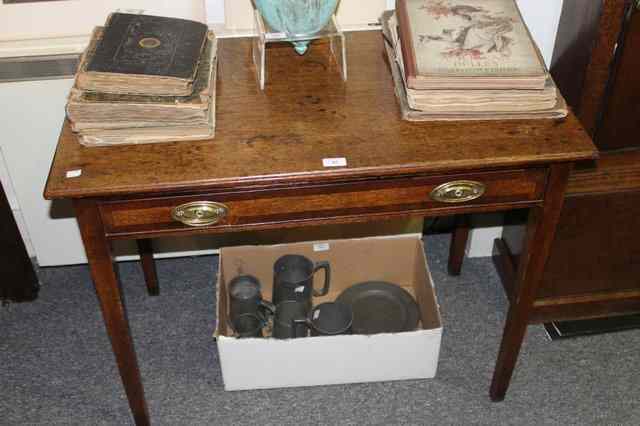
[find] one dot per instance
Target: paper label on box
(131, 11)
(321, 247)
(299, 289)
(316, 314)
(334, 162)
(74, 173)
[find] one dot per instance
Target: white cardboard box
(259, 363)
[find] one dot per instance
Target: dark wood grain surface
(613, 172)
(263, 209)
(575, 42)
(114, 313)
(458, 247)
(597, 75)
(145, 249)
(610, 258)
(539, 235)
(620, 126)
(305, 115)
(592, 268)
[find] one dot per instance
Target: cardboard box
(259, 363)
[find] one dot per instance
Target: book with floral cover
(476, 104)
(468, 44)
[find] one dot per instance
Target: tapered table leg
(145, 249)
(541, 230)
(458, 247)
(113, 310)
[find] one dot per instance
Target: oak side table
(270, 166)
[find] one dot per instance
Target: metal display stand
(267, 35)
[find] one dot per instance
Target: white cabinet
(31, 119)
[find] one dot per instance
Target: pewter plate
(380, 307)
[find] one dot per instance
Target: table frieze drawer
(260, 208)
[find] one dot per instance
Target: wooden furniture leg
(540, 234)
(145, 249)
(109, 294)
(459, 239)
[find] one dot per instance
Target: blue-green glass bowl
(297, 18)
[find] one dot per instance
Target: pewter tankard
(293, 279)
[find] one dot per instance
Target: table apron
(346, 202)
(134, 234)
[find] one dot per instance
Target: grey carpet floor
(57, 367)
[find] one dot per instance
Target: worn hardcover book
(156, 132)
(95, 138)
(145, 55)
(96, 110)
(471, 100)
(507, 101)
(468, 44)
(448, 111)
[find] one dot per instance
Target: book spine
(408, 50)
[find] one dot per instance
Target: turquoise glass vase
(297, 18)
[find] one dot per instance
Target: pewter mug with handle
(246, 298)
(328, 319)
(285, 324)
(247, 325)
(293, 279)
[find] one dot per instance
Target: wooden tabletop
(305, 115)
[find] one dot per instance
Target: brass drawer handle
(459, 191)
(200, 213)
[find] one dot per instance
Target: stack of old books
(145, 79)
(467, 60)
